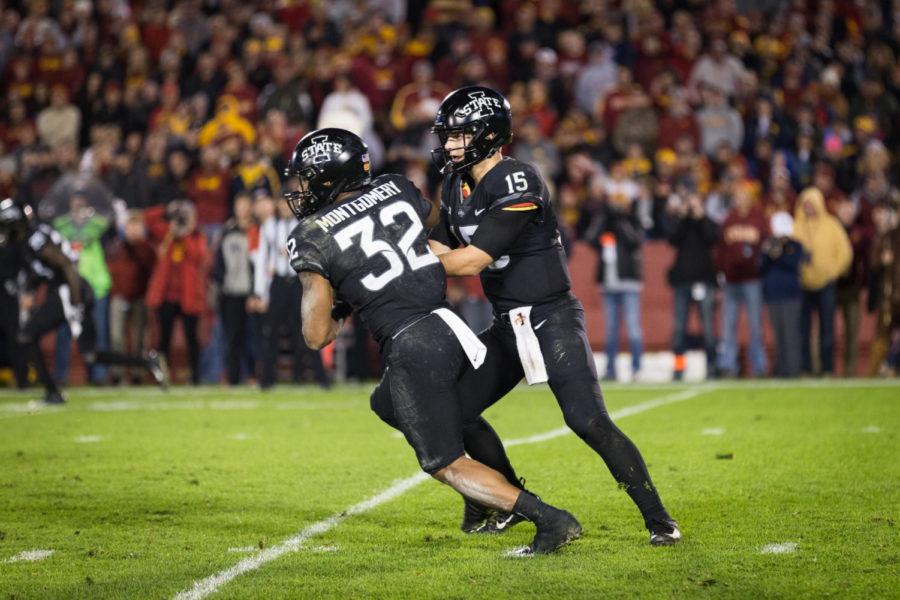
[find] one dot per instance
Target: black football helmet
(328, 162)
(13, 221)
(479, 111)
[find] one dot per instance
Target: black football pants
(423, 363)
(560, 330)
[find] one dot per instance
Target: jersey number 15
(363, 232)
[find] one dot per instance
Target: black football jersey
(373, 248)
(533, 270)
(29, 252)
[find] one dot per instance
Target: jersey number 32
(363, 233)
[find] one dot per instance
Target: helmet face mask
(482, 115)
(326, 162)
(472, 139)
(302, 201)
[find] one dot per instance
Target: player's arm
(434, 215)
(319, 329)
(54, 258)
(438, 248)
(496, 234)
(470, 260)
(440, 239)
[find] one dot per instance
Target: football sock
(108, 357)
(483, 444)
(530, 506)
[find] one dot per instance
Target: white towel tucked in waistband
(527, 343)
(471, 345)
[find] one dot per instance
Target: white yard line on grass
(204, 587)
(214, 398)
(713, 431)
(30, 556)
(89, 439)
(780, 548)
(872, 429)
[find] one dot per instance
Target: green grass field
(141, 494)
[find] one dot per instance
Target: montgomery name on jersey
(374, 241)
(532, 270)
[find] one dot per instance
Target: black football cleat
(475, 516)
(555, 530)
(156, 364)
(54, 397)
(664, 533)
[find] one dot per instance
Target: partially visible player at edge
(42, 255)
(497, 220)
(366, 238)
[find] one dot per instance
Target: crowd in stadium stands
(759, 138)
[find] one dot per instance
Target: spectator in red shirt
(177, 287)
(417, 101)
(130, 259)
(678, 121)
(209, 188)
(743, 232)
(243, 91)
(781, 196)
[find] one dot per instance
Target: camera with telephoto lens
(179, 213)
(774, 247)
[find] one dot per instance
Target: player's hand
(26, 302)
(341, 310)
(75, 318)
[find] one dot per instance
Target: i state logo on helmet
(479, 102)
(320, 149)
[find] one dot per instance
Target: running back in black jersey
(533, 269)
(373, 248)
(41, 236)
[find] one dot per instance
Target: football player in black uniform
(366, 240)
(497, 220)
(46, 257)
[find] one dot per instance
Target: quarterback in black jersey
(46, 257)
(365, 240)
(497, 221)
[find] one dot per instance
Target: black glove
(341, 310)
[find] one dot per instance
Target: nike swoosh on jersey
(478, 212)
(539, 325)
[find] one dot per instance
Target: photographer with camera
(693, 273)
(177, 287)
(782, 257)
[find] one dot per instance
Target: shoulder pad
(305, 247)
(513, 183)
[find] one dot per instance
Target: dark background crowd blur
(750, 146)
